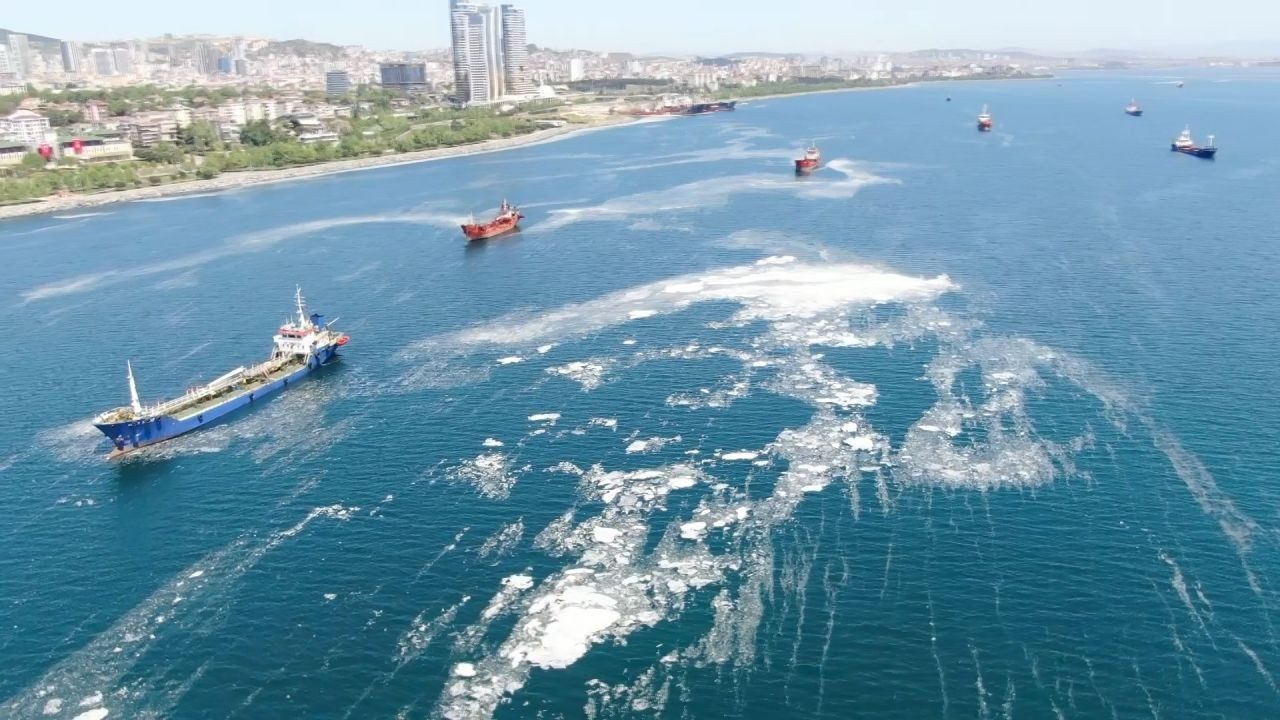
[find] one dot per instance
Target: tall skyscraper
(124, 60)
(490, 58)
(19, 55)
(515, 51)
(205, 57)
(104, 63)
(70, 57)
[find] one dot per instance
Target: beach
(245, 178)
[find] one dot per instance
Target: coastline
(899, 86)
(246, 178)
(827, 91)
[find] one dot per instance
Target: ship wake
(851, 177)
(245, 243)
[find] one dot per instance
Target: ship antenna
(302, 308)
(133, 390)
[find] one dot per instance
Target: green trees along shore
(200, 153)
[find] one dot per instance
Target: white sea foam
(489, 473)
(78, 216)
(491, 442)
(422, 632)
(771, 292)
(251, 242)
(972, 438)
(503, 541)
(652, 444)
(613, 589)
(510, 360)
(549, 418)
(588, 374)
(94, 672)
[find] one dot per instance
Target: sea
(962, 425)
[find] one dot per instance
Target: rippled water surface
(962, 425)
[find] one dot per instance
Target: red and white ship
(508, 219)
(984, 120)
(811, 161)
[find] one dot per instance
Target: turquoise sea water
(963, 425)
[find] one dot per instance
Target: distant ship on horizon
(299, 347)
(1184, 144)
(984, 120)
(1133, 109)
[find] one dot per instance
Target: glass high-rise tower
(490, 59)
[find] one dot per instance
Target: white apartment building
(24, 126)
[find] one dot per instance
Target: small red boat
(811, 161)
(984, 120)
(507, 220)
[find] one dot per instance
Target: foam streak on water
(99, 666)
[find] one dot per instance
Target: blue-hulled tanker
(299, 347)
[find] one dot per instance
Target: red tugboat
(507, 220)
(984, 120)
(811, 161)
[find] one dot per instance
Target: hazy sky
(704, 26)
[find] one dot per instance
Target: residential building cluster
(102, 137)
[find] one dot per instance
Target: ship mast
(133, 391)
(302, 308)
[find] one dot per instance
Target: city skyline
(712, 27)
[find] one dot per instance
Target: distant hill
(1011, 53)
(770, 55)
(304, 48)
(40, 43)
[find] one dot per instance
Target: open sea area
(962, 425)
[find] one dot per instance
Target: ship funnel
(133, 390)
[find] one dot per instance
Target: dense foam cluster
(489, 473)
(588, 374)
(776, 290)
(612, 589)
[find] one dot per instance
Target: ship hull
(474, 235)
(133, 435)
(1134, 113)
(704, 108)
(1200, 152)
(804, 167)
(984, 127)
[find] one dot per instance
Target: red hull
(984, 125)
(504, 223)
(805, 166)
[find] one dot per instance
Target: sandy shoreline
(246, 178)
